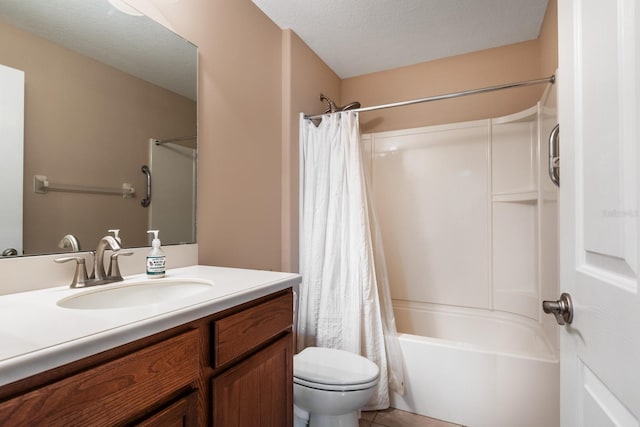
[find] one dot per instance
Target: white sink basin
(135, 294)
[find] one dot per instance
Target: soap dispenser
(156, 259)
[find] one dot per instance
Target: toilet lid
(333, 367)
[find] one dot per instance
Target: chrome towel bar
(41, 184)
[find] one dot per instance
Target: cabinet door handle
(554, 155)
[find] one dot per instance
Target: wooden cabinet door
(257, 391)
(181, 413)
(112, 393)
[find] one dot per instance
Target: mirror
(104, 92)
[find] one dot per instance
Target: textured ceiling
(356, 37)
(136, 45)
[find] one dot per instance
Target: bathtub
(476, 368)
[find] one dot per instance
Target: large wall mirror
(89, 93)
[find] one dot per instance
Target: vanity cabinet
(258, 390)
(233, 368)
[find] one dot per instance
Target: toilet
(330, 386)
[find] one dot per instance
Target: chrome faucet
(98, 277)
(98, 259)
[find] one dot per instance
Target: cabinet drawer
(111, 393)
(239, 333)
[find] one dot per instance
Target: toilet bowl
(332, 385)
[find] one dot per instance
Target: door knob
(562, 309)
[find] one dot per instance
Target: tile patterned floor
(396, 418)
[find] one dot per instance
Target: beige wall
(305, 76)
(239, 127)
(471, 71)
(549, 40)
(83, 133)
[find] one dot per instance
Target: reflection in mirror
(98, 88)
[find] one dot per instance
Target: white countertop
(37, 335)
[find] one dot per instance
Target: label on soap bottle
(156, 265)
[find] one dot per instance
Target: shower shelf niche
(525, 196)
(514, 212)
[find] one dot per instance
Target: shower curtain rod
(170, 140)
(550, 79)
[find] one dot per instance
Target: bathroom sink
(135, 294)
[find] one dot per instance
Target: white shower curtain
(344, 299)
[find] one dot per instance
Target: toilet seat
(334, 370)
(335, 387)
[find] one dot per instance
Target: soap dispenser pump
(156, 259)
(116, 234)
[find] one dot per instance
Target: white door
(599, 87)
(11, 155)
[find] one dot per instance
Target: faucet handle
(80, 274)
(114, 268)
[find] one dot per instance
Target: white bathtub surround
(468, 213)
(477, 368)
(469, 220)
(341, 304)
